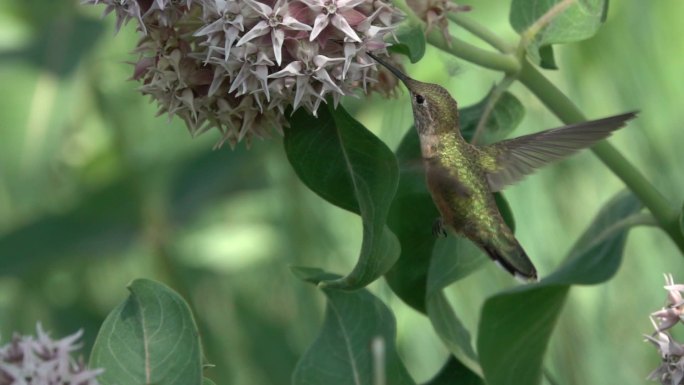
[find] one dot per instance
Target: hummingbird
(462, 177)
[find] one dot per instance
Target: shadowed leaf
(507, 114)
(343, 162)
(356, 344)
(411, 42)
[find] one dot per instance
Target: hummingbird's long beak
(391, 68)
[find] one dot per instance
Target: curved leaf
(150, 338)
(356, 344)
(579, 21)
(410, 42)
(340, 160)
(515, 326)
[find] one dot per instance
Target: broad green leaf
(515, 326)
(411, 217)
(507, 114)
(343, 162)
(150, 338)
(579, 21)
(411, 42)
(453, 372)
(206, 381)
(356, 344)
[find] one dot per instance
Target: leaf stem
(480, 31)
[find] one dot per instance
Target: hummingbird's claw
(438, 229)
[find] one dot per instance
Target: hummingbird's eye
(420, 99)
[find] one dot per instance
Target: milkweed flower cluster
(41, 360)
(671, 371)
(238, 64)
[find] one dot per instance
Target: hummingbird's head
(434, 110)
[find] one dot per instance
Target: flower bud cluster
(238, 64)
(671, 371)
(42, 360)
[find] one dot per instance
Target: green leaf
(411, 42)
(454, 372)
(356, 344)
(343, 162)
(515, 326)
(411, 217)
(547, 58)
(150, 338)
(681, 220)
(206, 381)
(579, 21)
(507, 114)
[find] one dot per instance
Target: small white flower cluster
(671, 371)
(26, 360)
(238, 64)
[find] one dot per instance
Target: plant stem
(494, 97)
(665, 214)
(459, 48)
(480, 31)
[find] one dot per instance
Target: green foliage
(356, 344)
(410, 42)
(506, 115)
(347, 165)
(515, 325)
(151, 338)
(579, 21)
(100, 194)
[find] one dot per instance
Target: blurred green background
(96, 191)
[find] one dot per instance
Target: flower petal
(340, 23)
(277, 38)
(263, 9)
(352, 16)
(292, 23)
(260, 29)
(319, 24)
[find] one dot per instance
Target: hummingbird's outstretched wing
(508, 161)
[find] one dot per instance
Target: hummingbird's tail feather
(513, 259)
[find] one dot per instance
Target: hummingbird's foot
(438, 229)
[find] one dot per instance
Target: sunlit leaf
(343, 162)
(515, 326)
(579, 21)
(150, 338)
(507, 114)
(356, 344)
(411, 42)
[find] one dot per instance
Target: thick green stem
(480, 31)
(567, 111)
(459, 48)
